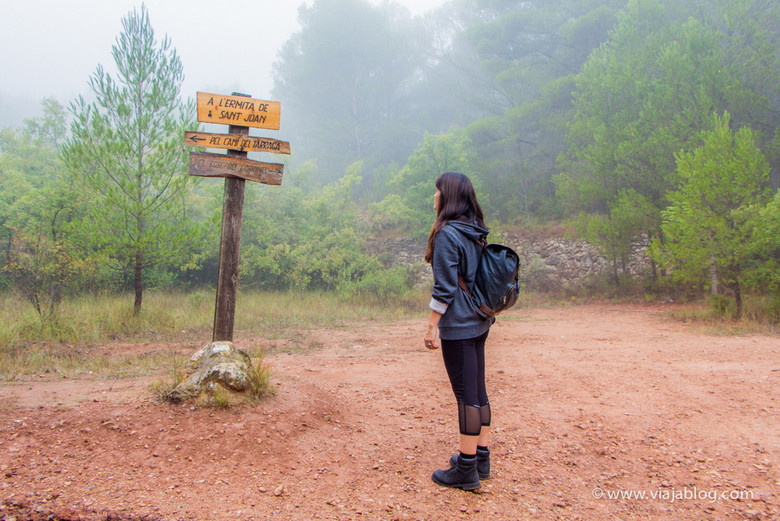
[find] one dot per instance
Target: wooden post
(229, 249)
(236, 168)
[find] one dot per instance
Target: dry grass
(31, 346)
(712, 318)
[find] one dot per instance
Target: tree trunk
(140, 216)
(738, 300)
(715, 279)
(55, 291)
(55, 295)
(615, 272)
(138, 283)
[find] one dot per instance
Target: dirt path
(589, 403)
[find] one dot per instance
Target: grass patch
(306, 310)
(64, 345)
(216, 396)
(175, 373)
(712, 316)
(169, 315)
(71, 361)
(101, 319)
(261, 379)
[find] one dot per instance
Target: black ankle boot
(483, 463)
(463, 475)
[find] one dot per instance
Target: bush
(721, 307)
(42, 271)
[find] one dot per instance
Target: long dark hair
(457, 202)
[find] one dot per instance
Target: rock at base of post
(218, 363)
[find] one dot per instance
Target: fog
(49, 48)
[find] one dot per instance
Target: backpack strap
(461, 282)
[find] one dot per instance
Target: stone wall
(546, 265)
(555, 264)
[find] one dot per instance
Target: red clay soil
(600, 412)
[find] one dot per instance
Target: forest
(607, 118)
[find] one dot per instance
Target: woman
(454, 249)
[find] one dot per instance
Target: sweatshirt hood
(472, 231)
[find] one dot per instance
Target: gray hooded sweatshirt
(456, 251)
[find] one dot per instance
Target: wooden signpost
(240, 112)
(213, 165)
(238, 142)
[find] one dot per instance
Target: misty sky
(49, 48)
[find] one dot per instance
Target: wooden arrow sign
(240, 142)
(241, 111)
(218, 165)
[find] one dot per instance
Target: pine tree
(126, 151)
(715, 216)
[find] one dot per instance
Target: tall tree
(752, 29)
(530, 51)
(651, 89)
(341, 79)
(126, 150)
(525, 44)
(412, 187)
(613, 234)
(717, 212)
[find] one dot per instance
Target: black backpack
(496, 284)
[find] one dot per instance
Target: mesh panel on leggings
(470, 419)
(484, 414)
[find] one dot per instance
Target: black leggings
(465, 363)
